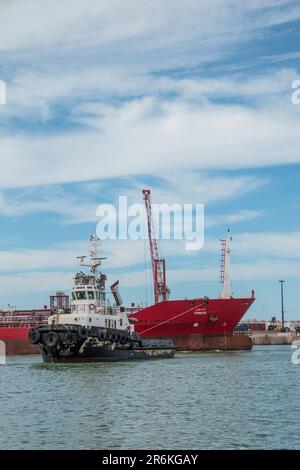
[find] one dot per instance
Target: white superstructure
(89, 305)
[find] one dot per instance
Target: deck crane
(161, 291)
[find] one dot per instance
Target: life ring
(92, 306)
(34, 336)
(51, 339)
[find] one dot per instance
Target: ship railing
(85, 309)
(243, 332)
(264, 332)
(18, 320)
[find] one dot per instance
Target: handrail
(16, 321)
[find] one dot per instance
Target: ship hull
(69, 344)
(197, 324)
(16, 341)
(198, 342)
(101, 354)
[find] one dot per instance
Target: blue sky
(191, 99)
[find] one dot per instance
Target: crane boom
(161, 291)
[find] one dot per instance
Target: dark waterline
(237, 400)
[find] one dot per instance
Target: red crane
(161, 291)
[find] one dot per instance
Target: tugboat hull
(70, 344)
(109, 356)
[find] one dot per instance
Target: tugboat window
(81, 295)
(73, 296)
(91, 295)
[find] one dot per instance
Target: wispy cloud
(79, 25)
(82, 65)
(145, 138)
(78, 204)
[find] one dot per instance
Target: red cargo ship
(14, 327)
(15, 324)
(196, 324)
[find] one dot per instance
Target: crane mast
(161, 291)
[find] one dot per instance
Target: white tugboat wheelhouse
(89, 304)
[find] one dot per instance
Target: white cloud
(39, 94)
(274, 244)
(229, 219)
(69, 63)
(135, 27)
(120, 254)
(154, 138)
(124, 255)
(72, 208)
(78, 204)
(32, 281)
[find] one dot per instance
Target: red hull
(16, 340)
(198, 324)
(200, 342)
(14, 327)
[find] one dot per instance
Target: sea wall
(273, 338)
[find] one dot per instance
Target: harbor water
(216, 400)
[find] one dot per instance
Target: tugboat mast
(95, 260)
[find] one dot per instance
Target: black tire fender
(34, 336)
(82, 332)
(51, 339)
(123, 339)
(68, 339)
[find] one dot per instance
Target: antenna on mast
(225, 267)
(95, 260)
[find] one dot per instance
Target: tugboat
(93, 330)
